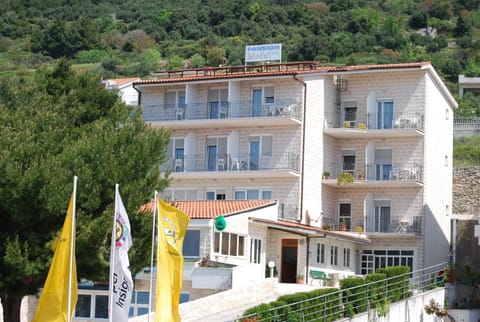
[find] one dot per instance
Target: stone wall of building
(466, 191)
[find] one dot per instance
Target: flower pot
(343, 227)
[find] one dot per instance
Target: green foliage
(466, 151)
(53, 126)
(397, 283)
(354, 294)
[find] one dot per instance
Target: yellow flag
(172, 227)
(53, 304)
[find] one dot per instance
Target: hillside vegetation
(115, 38)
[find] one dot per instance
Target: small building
(124, 89)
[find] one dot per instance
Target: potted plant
(300, 278)
(326, 175)
(345, 177)
(360, 174)
(343, 225)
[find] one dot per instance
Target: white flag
(121, 283)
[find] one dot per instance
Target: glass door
(385, 114)
(211, 157)
(257, 102)
(254, 155)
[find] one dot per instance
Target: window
(229, 244)
(179, 194)
(217, 103)
(348, 161)
(262, 96)
(175, 152)
(92, 304)
(384, 114)
(350, 116)
(255, 250)
(383, 164)
(215, 195)
(252, 194)
(184, 297)
(191, 244)
(382, 216)
(373, 259)
(101, 306)
(174, 99)
(139, 305)
(260, 154)
(82, 309)
(346, 257)
(320, 253)
(334, 255)
(216, 154)
(345, 214)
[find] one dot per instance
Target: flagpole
(155, 210)
(72, 239)
(112, 262)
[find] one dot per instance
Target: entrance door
(289, 261)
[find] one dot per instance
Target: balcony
(233, 166)
(207, 114)
(413, 225)
(405, 174)
(378, 125)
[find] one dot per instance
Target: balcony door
(382, 216)
(216, 154)
(257, 102)
(384, 114)
(217, 103)
(260, 154)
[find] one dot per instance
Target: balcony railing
(240, 162)
(376, 121)
(387, 172)
(414, 225)
(291, 108)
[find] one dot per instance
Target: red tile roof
(122, 81)
(211, 209)
(267, 70)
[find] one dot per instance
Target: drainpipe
(303, 142)
(139, 94)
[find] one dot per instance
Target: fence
(333, 304)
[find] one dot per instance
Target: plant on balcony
(362, 126)
(360, 174)
(345, 177)
(326, 175)
(343, 225)
(347, 124)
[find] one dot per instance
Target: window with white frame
(174, 99)
(217, 103)
(346, 257)
(179, 194)
(191, 243)
(229, 244)
(139, 304)
(260, 152)
(255, 251)
(334, 255)
(350, 113)
(252, 194)
(384, 114)
(175, 152)
(215, 194)
(320, 253)
(373, 259)
(383, 163)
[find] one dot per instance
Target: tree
(53, 126)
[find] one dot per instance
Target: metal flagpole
(72, 242)
(112, 257)
(155, 210)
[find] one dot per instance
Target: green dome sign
(220, 223)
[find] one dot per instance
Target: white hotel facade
(271, 131)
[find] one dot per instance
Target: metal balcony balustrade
(386, 172)
(378, 225)
(238, 162)
(291, 108)
(343, 304)
(382, 121)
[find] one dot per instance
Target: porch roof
(310, 231)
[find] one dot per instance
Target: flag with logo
(172, 227)
(59, 294)
(121, 283)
